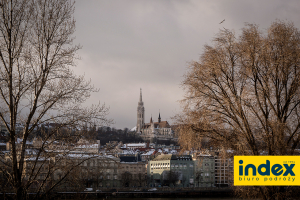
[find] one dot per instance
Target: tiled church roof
(162, 124)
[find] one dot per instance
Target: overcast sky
(133, 44)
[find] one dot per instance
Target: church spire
(140, 94)
(159, 119)
(140, 114)
(151, 120)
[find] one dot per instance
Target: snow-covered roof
(75, 155)
(86, 146)
(86, 156)
(39, 159)
(173, 151)
(149, 153)
(19, 140)
(128, 152)
(31, 151)
(136, 144)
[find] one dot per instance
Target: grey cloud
(141, 43)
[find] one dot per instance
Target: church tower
(159, 119)
(140, 114)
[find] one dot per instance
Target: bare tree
(38, 86)
(186, 137)
(244, 93)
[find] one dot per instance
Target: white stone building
(160, 130)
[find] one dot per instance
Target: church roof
(162, 124)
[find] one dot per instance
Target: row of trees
(244, 94)
(111, 134)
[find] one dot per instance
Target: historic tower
(159, 119)
(140, 114)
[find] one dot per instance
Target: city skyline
(128, 45)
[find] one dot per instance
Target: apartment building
(223, 171)
(132, 171)
(171, 170)
(204, 170)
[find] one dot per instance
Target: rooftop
(172, 157)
